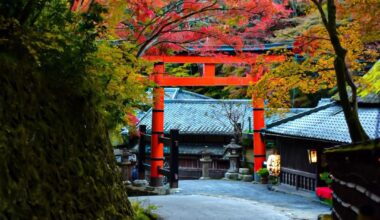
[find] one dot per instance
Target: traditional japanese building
(299, 136)
(203, 121)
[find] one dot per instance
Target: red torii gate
(207, 79)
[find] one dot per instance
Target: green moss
(56, 161)
(368, 146)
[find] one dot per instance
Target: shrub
(263, 172)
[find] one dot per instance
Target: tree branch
(321, 12)
(147, 43)
(357, 133)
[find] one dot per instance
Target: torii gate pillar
(259, 151)
(157, 148)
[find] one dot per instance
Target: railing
(356, 178)
(172, 172)
(299, 179)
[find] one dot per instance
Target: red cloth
(324, 192)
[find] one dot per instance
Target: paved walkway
(220, 199)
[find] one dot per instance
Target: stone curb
(294, 192)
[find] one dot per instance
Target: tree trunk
(355, 128)
(350, 109)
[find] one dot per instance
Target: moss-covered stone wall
(56, 161)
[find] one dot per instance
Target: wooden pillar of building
(259, 151)
(174, 161)
(157, 148)
(141, 155)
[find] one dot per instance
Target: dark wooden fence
(355, 172)
(172, 172)
(298, 179)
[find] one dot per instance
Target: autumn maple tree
(326, 54)
(343, 76)
(343, 72)
(164, 26)
(329, 50)
(145, 27)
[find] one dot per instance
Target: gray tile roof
(326, 123)
(184, 94)
(178, 93)
(207, 116)
(174, 93)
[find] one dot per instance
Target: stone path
(219, 199)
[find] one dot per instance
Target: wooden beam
(205, 81)
(214, 60)
(208, 78)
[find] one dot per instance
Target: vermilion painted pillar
(209, 70)
(157, 148)
(258, 124)
(75, 5)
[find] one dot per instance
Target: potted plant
(263, 173)
(325, 193)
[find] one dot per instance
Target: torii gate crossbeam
(208, 78)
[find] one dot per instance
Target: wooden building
(317, 129)
(355, 173)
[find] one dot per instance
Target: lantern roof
(233, 145)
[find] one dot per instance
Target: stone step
(243, 170)
(140, 183)
(231, 176)
(246, 178)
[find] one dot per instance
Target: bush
(263, 172)
(325, 176)
(142, 213)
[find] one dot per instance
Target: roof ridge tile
(299, 115)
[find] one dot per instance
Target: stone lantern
(205, 161)
(234, 154)
(128, 160)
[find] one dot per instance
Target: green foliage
(181, 70)
(274, 180)
(328, 202)
(246, 142)
(226, 92)
(117, 74)
(300, 24)
(325, 176)
(144, 213)
(372, 81)
(56, 161)
(263, 172)
(217, 92)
